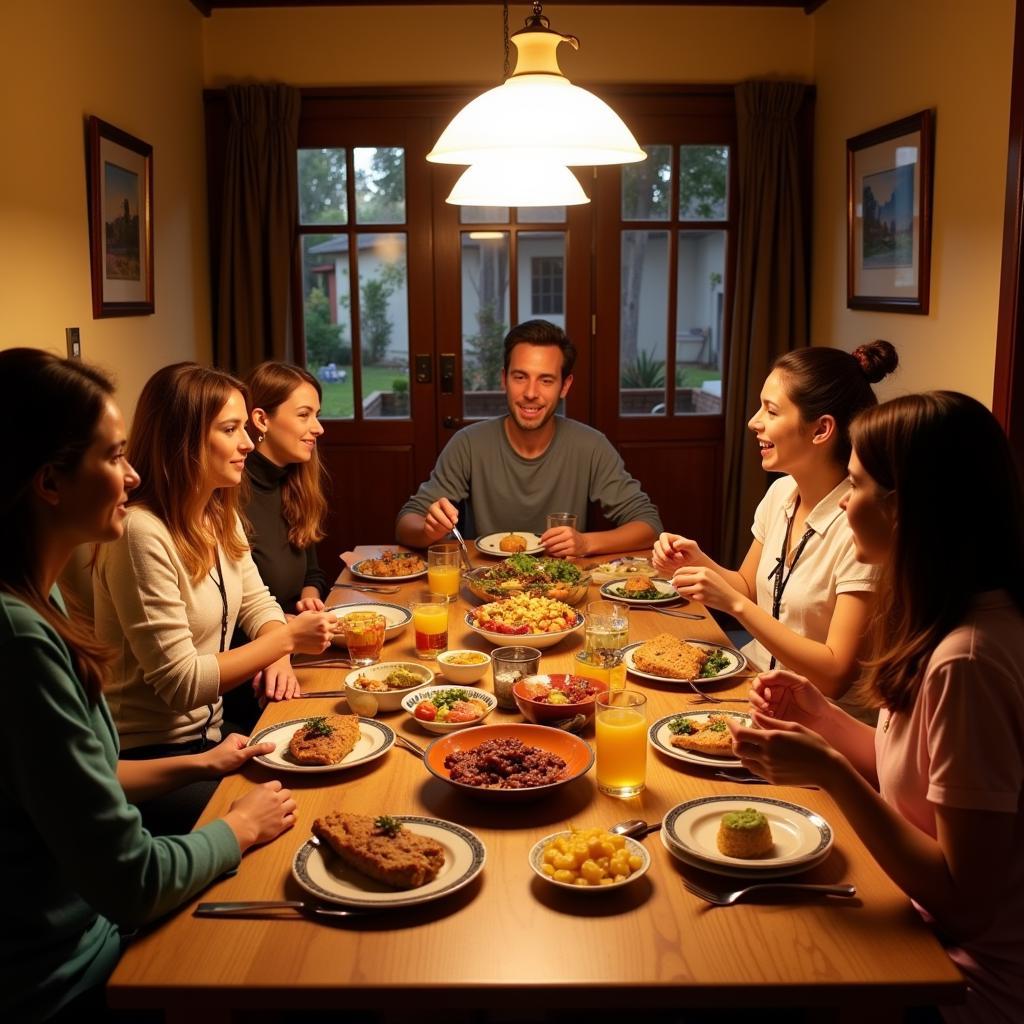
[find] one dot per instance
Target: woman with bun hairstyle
(285, 506)
(936, 791)
(79, 868)
(800, 592)
(169, 592)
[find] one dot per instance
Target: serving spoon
(635, 828)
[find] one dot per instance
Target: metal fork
(706, 698)
(262, 908)
(462, 547)
(413, 748)
(371, 589)
(677, 614)
(726, 899)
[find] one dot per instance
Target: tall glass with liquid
(621, 734)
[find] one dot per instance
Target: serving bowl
(389, 700)
(396, 617)
(570, 593)
(411, 700)
(538, 640)
(576, 753)
(541, 712)
(635, 849)
(462, 674)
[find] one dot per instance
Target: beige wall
(137, 65)
(876, 61)
(412, 45)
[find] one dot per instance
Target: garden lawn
(338, 405)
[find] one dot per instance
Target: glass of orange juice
(430, 621)
(444, 569)
(604, 666)
(621, 733)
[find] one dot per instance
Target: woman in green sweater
(79, 869)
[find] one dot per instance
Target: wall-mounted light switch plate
(74, 342)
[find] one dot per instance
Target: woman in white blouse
(800, 592)
(170, 591)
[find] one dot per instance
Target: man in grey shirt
(512, 471)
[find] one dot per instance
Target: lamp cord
(508, 69)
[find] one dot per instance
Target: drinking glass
(604, 666)
(364, 636)
(444, 569)
(561, 519)
(607, 627)
(509, 665)
(430, 621)
(621, 733)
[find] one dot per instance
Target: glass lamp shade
(539, 113)
(517, 182)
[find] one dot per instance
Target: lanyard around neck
(219, 580)
(779, 576)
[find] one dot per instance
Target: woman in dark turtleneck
(286, 505)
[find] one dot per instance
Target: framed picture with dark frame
(120, 181)
(889, 216)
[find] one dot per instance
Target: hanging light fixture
(514, 181)
(537, 114)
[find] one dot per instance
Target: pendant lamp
(514, 181)
(537, 113)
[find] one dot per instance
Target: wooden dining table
(510, 940)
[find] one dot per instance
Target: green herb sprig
(389, 825)
(318, 726)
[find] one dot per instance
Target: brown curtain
(769, 314)
(257, 227)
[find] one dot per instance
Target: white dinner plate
(735, 872)
(357, 571)
(537, 859)
(395, 615)
(489, 544)
(327, 877)
(660, 737)
(375, 740)
(614, 591)
(736, 664)
(801, 836)
(621, 569)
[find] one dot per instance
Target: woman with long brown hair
(936, 792)
(285, 506)
(80, 870)
(170, 591)
(800, 592)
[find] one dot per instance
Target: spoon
(635, 828)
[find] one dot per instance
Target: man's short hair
(541, 332)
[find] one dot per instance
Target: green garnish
(318, 727)
(650, 594)
(717, 725)
(446, 698)
(682, 726)
(716, 663)
(392, 826)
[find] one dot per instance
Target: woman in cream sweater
(169, 593)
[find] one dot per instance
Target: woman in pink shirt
(936, 791)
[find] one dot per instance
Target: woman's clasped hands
(782, 746)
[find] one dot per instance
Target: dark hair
(63, 400)
(831, 382)
(303, 504)
(167, 447)
(959, 526)
(541, 332)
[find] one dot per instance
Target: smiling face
(533, 384)
(785, 439)
(291, 432)
(869, 511)
(92, 497)
(227, 444)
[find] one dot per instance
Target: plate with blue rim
(660, 737)
(327, 877)
(375, 740)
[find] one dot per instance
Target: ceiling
(207, 7)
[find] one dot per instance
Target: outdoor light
(536, 114)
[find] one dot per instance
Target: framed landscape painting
(889, 216)
(120, 174)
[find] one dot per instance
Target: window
(546, 285)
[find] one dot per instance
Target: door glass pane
(384, 325)
(643, 323)
(485, 312)
(541, 276)
(703, 182)
(483, 214)
(540, 215)
(322, 178)
(327, 320)
(700, 311)
(646, 186)
(380, 184)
